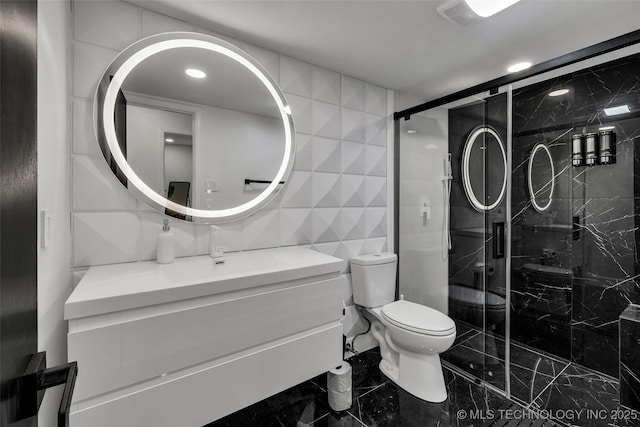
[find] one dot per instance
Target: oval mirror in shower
(484, 168)
(541, 177)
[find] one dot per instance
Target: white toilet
(411, 336)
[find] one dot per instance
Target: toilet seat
(418, 318)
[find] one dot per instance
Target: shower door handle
(498, 240)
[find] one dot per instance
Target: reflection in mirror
(484, 168)
(213, 131)
(541, 176)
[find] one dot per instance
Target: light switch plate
(45, 228)
(210, 186)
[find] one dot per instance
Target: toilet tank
(373, 278)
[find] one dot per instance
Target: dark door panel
(18, 201)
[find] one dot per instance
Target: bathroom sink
(116, 287)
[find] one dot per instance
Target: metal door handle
(36, 379)
(498, 240)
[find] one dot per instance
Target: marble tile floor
(545, 385)
(377, 401)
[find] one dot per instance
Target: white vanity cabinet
(184, 344)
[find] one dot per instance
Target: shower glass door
(478, 134)
(454, 258)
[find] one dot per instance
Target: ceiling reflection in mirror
(209, 149)
(541, 177)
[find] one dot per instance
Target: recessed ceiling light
(168, 140)
(411, 131)
(613, 111)
(607, 128)
(559, 92)
(195, 73)
(519, 67)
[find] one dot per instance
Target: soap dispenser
(166, 245)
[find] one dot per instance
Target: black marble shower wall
(568, 288)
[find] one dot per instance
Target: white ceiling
(407, 45)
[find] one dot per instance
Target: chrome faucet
(215, 252)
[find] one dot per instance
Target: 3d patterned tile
(76, 276)
(295, 76)
(375, 191)
(354, 93)
(95, 188)
(326, 225)
(89, 62)
(230, 237)
(347, 289)
(326, 120)
(261, 230)
(326, 189)
(376, 160)
(326, 85)
(376, 222)
(105, 23)
(84, 138)
(268, 59)
(352, 223)
(353, 125)
(297, 191)
(347, 250)
(376, 100)
(376, 130)
(353, 159)
(104, 238)
(304, 151)
(353, 190)
(154, 23)
(330, 248)
(151, 226)
(375, 245)
(326, 154)
(295, 227)
(302, 113)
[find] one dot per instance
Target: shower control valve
(425, 207)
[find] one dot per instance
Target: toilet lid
(418, 318)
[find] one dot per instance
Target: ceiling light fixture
(486, 8)
(168, 140)
(411, 131)
(195, 73)
(559, 92)
(614, 111)
(520, 66)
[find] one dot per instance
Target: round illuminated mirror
(541, 177)
(484, 168)
(194, 127)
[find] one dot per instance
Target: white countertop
(116, 287)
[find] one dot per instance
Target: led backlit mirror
(194, 127)
(541, 177)
(484, 168)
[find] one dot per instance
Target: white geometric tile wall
(325, 120)
(335, 199)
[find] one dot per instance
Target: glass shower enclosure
(459, 267)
